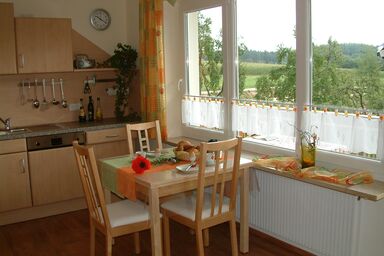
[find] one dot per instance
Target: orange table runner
(126, 184)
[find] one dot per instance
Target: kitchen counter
(49, 129)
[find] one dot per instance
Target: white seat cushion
(127, 212)
(186, 206)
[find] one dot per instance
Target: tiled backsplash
(26, 115)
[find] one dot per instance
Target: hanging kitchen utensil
(36, 102)
(29, 98)
(54, 101)
(87, 88)
(63, 101)
(44, 103)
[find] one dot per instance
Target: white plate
(182, 168)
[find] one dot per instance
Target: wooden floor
(68, 235)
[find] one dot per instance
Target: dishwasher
(53, 169)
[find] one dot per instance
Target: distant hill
(259, 57)
(351, 52)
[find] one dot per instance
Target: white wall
(371, 231)
(123, 14)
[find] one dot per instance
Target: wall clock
(100, 19)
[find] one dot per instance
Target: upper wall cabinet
(7, 40)
(43, 45)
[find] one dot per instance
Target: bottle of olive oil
(99, 112)
(82, 117)
(91, 110)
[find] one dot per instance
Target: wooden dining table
(157, 185)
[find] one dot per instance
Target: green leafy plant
(123, 59)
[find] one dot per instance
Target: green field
(254, 70)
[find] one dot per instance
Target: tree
(360, 87)
(211, 59)
(280, 83)
(366, 90)
(327, 77)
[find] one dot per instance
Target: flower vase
(308, 154)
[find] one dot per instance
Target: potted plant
(124, 59)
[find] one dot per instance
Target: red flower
(140, 164)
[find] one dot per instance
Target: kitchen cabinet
(44, 45)
(7, 39)
(15, 189)
(108, 142)
(52, 180)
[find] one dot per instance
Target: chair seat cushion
(186, 206)
(127, 212)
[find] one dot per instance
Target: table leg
(244, 208)
(154, 213)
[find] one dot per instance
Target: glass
(204, 53)
(203, 104)
(266, 60)
(347, 75)
(264, 110)
(308, 154)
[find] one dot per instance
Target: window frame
(192, 6)
(303, 87)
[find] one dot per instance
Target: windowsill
(373, 191)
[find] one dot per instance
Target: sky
(264, 24)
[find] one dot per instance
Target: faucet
(7, 123)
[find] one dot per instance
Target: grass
(258, 69)
(254, 70)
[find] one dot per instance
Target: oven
(53, 169)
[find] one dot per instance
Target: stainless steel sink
(14, 131)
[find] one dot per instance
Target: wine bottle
(82, 117)
(99, 112)
(91, 110)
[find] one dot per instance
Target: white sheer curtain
(268, 124)
(204, 112)
(348, 133)
(338, 132)
(263, 121)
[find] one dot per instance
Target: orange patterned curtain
(152, 78)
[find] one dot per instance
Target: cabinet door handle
(22, 165)
(111, 136)
(22, 60)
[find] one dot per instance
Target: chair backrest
(227, 159)
(142, 131)
(90, 179)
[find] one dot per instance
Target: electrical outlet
(74, 106)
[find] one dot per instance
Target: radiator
(313, 218)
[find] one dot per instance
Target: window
(297, 63)
(348, 76)
(203, 101)
(264, 108)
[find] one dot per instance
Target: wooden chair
(115, 219)
(143, 138)
(202, 210)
